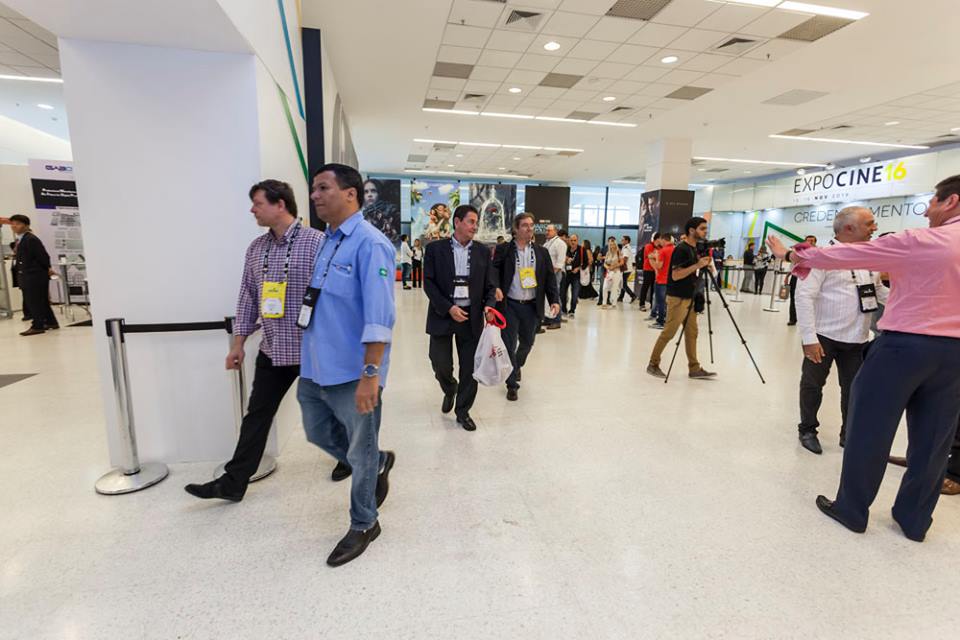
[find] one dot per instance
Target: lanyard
(533, 256)
(286, 263)
(326, 271)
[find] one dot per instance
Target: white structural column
(668, 164)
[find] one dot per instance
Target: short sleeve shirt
(665, 254)
(683, 256)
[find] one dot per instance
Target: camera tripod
(707, 280)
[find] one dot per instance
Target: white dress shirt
(406, 253)
(557, 248)
(828, 304)
(626, 251)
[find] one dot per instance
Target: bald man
(834, 311)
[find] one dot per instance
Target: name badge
(310, 298)
(868, 298)
(528, 278)
(272, 298)
(461, 288)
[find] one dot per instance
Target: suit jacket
(438, 273)
(505, 265)
(31, 257)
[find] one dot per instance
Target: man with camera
(685, 264)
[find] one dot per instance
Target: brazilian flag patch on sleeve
(383, 272)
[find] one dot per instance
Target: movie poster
(497, 204)
(649, 217)
(431, 209)
(669, 208)
(381, 207)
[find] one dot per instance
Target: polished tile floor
(603, 504)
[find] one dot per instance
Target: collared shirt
(355, 272)
(626, 251)
(924, 268)
(828, 304)
(647, 250)
(526, 257)
(281, 336)
(557, 249)
(406, 253)
(461, 266)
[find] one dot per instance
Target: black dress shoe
(383, 478)
(541, 330)
(352, 545)
(32, 332)
(213, 489)
(791, 324)
(511, 394)
(341, 472)
(826, 506)
(448, 401)
(519, 375)
(811, 443)
(467, 423)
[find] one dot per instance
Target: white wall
(19, 143)
(165, 144)
(16, 196)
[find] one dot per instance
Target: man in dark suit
(33, 276)
(524, 276)
(458, 280)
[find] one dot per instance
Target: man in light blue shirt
(349, 314)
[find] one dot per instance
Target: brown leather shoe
(950, 488)
(897, 460)
(32, 332)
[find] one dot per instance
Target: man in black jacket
(524, 275)
(458, 280)
(33, 276)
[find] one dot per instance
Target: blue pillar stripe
(293, 67)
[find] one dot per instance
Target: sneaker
(657, 326)
(643, 308)
(655, 371)
(572, 315)
(553, 326)
(702, 373)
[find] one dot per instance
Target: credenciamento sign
(898, 177)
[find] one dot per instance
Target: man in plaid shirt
(283, 258)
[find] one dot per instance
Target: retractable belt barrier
(131, 475)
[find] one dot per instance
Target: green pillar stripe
(294, 134)
(769, 225)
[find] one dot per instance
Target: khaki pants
(677, 309)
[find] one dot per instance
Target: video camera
(704, 246)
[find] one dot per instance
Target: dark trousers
(813, 376)
(270, 385)
(902, 371)
(571, 290)
(758, 277)
(953, 465)
(417, 274)
(793, 305)
(25, 305)
(625, 289)
(646, 289)
(36, 297)
(521, 331)
(441, 357)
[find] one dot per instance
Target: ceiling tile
(461, 36)
(569, 24)
(536, 62)
(13, 58)
(452, 96)
(705, 62)
(493, 74)
(775, 49)
(526, 77)
(566, 44)
(698, 40)
(500, 100)
(447, 84)
(715, 80)
(547, 92)
(594, 7)
(566, 105)
(627, 87)
(37, 72)
(507, 59)
(537, 103)
(731, 17)
(460, 55)
(579, 94)
(613, 29)
(657, 89)
(657, 35)
(593, 50)
(686, 13)
(535, 4)
(741, 66)
(614, 70)
(475, 13)
(576, 67)
(503, 40)
(481, 86)
(774, 23)
(647, 74)
(632, 54)
(669, 103)
(681, 76)
(594, 84)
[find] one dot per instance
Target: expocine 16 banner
(56, 220)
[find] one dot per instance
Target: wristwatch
(370, 371)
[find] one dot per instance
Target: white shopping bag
(491, 362)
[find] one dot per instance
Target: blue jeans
(405, 273)
(661, 303)
(331, 422)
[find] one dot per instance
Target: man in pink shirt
(914, 365)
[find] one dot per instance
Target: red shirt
(665, 254)
(646, 256)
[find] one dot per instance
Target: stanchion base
(268, 464)
(771, 310)
(117, 482)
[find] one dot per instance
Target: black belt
(531, 301)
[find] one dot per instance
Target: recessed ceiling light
(515, 90)
(891, 123)
(771, 162)
(669, 59)
(515, 158)
(48, 107)
(860, 142)
(501, 168)
(747, 171)
(552, 46)
(609, 98)
(821, 10)
(801, 172)
(701, 170)
(865, 159)
(31, 79)
(459, 155)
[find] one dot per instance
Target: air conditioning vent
(582, 115)
(796, 132)
(414, 157)
(815, 28)
(621, 109)
(525, 20)
(439, 104)
(736, 46)
(637, 9)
